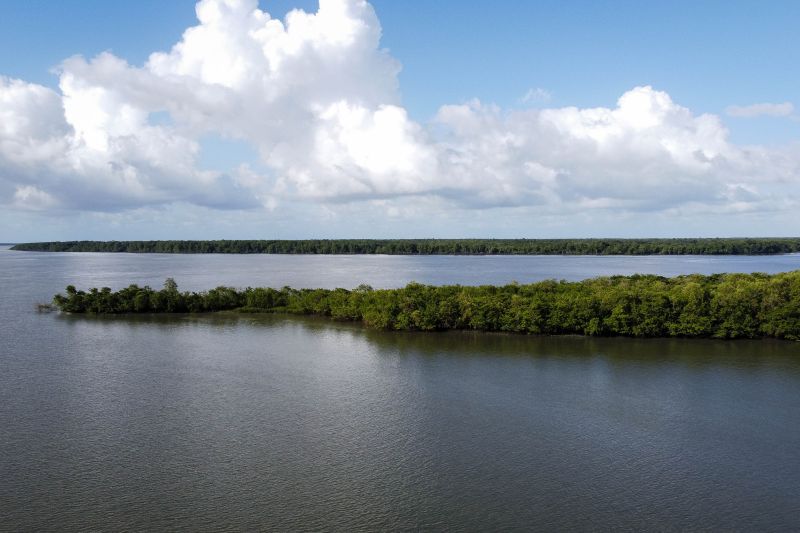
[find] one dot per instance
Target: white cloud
(647, 153)
(318, 98)
(239, 74)
(29, 197)
(32, 125)
(785, 109)
(537, 95)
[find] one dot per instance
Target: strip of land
(710, 246)
(720, 306)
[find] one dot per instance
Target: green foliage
(721, 305)
(732, 246)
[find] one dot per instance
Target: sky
(348, 119)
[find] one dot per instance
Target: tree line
(710, 246)
(720, 305)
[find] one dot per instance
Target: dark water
(208, 423)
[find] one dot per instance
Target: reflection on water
(693, 352)
(285, 423)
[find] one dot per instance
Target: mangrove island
(719, 306)
(683, 246)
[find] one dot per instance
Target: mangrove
(684, 246)
(729, 306)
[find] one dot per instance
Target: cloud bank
(318, 98)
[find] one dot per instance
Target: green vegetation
(721, 305)
(743, 246)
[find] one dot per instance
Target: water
(204, 271)
(286, 423)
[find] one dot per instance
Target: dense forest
(720, 305)
(728, 246)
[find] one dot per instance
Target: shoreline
(589, 247)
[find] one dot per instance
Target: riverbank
(720, 306)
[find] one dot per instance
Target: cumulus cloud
(318, 98)
(785, 109)
(238, 73)
(646, 153)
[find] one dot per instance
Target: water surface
(285, 423)
(204, 271)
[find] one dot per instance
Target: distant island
(721, 306)
(698, 246)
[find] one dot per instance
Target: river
(287, 423)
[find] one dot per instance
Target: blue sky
(707, 57)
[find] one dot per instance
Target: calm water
(203, 423)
